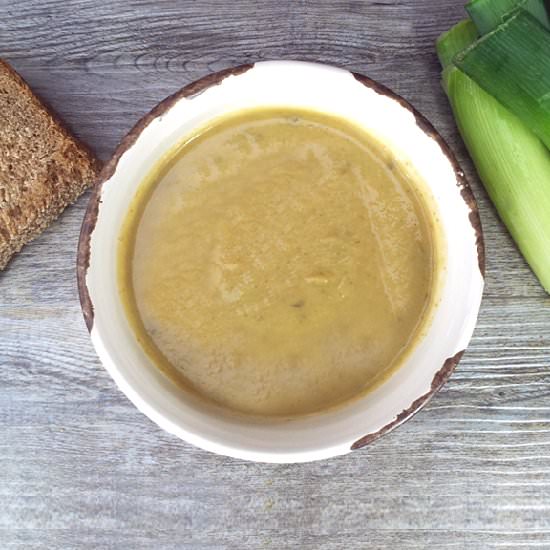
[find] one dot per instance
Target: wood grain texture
(81, 468)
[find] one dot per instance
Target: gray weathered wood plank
(80, 467)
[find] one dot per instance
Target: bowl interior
(326, 434)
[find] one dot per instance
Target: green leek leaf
(455, 40)
(512, 63)
(489, 14)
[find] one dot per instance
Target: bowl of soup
(281, 262)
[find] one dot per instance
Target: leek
(512, 63)
(489, 14)
(455, 40)
(512, 163)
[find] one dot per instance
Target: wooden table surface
(80, 467)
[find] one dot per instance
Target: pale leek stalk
(511, 161)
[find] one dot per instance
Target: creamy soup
(280, 262)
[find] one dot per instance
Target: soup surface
(280, 262)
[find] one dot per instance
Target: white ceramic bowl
(331, 90)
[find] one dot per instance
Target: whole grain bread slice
(43, 167)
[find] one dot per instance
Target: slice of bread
(43, 167)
